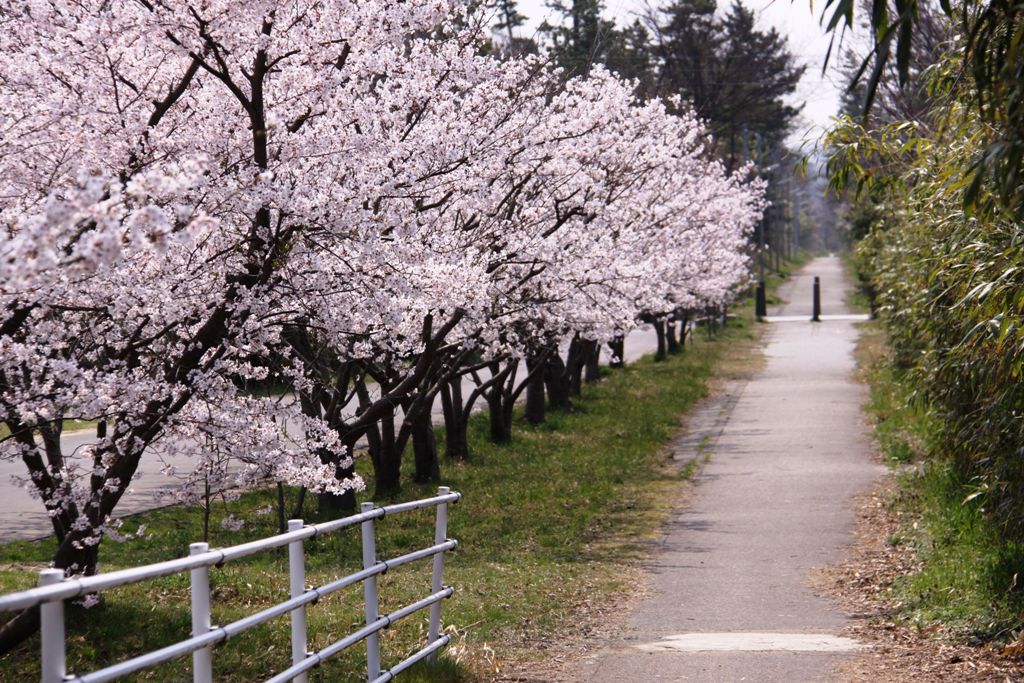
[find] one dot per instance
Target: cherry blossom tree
(169, 171)
(347, 199)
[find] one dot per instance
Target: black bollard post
(760, 302)
(816, 318)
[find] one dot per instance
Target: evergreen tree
(507, 17)
(735, 75)
(688, 42)
(505, 20)
(630, 54)
(583, 36)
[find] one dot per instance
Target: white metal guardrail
(54, 589)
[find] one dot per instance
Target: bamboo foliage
(948, 282)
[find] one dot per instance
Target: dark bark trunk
(497, 396)
(684, 331)
(456, 441)
(556, 380)
(507, 409)
(19, 629)
(494, 393)
(424, 448)
(387, 477)
(501, 429)
(380, 445)
(576, 379)
(207, 509)
(333, 505)
(300, 503)
(574, 366)
(282, 523)
(618, 349)
(535, 409)
(330, 506)
(592, 361)
(673, 340)
(659, 331)
(711, 318)
(26, 623)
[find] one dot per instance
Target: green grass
(549, 525)
(69, 426)
(901, 428)
(857, 298)
(968, 580)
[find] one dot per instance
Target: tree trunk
(300, 503)
(334, 505)
(659, 331)
(576, 378)
(535, 409)
(556, 379)
(456, 441)
(591, 361)
(387, 476)
(500, 417)
(574, 366)
(673, 340)
(424, 448)
(508, 409)
(618, 348)
(19, 629)
(501, 429)
(282, 523)
(78, 555)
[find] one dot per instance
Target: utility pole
(776, 239)
(762, 228)
(797, 210)
(760, 298)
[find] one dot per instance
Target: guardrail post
(297, 587)
(51, 629)
(202, 660)
(437, 577)
(370, 595)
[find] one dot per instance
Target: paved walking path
(729, 599)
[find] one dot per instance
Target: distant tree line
(733, 74)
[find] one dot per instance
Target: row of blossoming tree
(349, 200)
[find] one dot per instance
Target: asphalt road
(729, 598)
(23, 517)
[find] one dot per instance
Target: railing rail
(54, 589)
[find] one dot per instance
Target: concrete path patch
(852, 317)
(752, 642)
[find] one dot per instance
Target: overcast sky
(792, 18)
